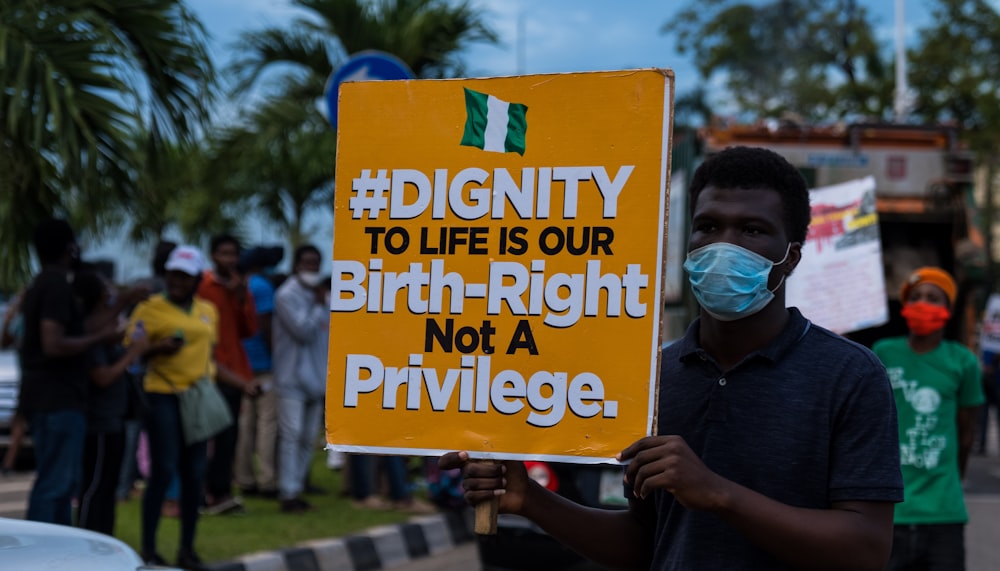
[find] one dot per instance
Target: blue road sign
(363, 66)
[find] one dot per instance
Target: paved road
(982, 535)
(463, 558)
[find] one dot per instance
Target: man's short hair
(221, 239)
(52, 237)
(754, 168)
(302, 251)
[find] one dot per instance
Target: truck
(923, 197)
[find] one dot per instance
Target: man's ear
(794, 257)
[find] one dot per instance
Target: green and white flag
(494, 124)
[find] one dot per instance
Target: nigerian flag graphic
(494, 124)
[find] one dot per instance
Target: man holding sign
(777, 444)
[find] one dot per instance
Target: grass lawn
(264, 527)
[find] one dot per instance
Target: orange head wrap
(935, 276)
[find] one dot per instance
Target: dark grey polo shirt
(808, 421)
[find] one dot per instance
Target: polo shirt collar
(793, 332)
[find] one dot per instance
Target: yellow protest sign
(497, 264)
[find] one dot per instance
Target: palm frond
(262, 49)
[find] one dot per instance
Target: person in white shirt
(300, 335)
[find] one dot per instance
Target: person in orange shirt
(226, 288)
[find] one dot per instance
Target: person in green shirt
(936, 384)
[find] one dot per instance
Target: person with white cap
(182, 330)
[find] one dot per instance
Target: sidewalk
(982, 497)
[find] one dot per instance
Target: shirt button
(722, 382)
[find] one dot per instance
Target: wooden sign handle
(486, 513)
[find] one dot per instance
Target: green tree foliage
(817, 59)
(177, 190)
(78, 79)
(427, 35)
(955, 69)
(955, 76)
(282, 155)
(692, 109)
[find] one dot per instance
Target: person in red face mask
(936, 384)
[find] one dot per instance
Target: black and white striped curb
(377, 548)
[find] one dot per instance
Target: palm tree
(176, 190)
(284, 153)
(282, 159)
(78, 79)
(427, 35)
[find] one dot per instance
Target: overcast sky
(554, 35)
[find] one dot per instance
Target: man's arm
(301, 318)
(612, 538)
(226, 376)
(968, 424)
(849, 535)
(615, 538)
(106, 374)
(55, 342)
(246, 319)
(7, 337)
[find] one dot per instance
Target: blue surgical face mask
(730, 282)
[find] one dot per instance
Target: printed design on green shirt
(921, 447)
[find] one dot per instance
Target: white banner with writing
(989, 336)
(840, 284)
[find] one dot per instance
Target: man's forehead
(759, 198)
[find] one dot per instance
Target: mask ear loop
(781, 281)
(784, 259)
(778, 263)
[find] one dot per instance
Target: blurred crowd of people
(102, 367)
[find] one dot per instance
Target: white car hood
(29, 545)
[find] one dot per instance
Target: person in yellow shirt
(182, 330)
